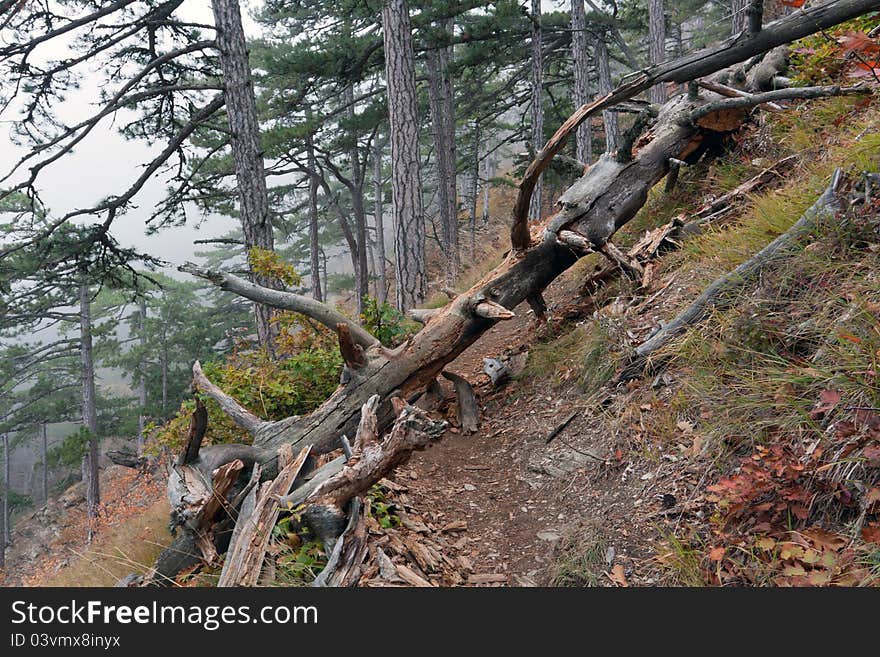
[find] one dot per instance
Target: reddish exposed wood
(197, 428)
(352, 354)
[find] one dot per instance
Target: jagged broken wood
(247, 552)
(740, 48)
(609, 194)
(468, 412)
(825, 207)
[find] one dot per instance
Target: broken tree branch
(248, 551)
(284, 300)
(238, 413)
(468, 413)
(492, 310)
(826, 206)
(795, 93)
(197, 428)
(352, 354)
(690, 67)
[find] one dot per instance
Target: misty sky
(105, 164)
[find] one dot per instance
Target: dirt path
(489, 479)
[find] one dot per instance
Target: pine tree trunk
(442, 107)
(738, 18)
(247, 152)
(488, 167)
(612, 138)
(142, 387)
(3, 520)
(45, 465)
(581, 65)
(324, 270)
(406, 184)
(379, 221)
(6, 536)
(164, 374)
(537, 113)
(314, 247)
(89, 408)
(474, 190)
(362, 272)
(437, 107)
(656, 45)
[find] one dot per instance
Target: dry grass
(129, 547)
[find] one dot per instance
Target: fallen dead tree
(718, 293)
(609, 194)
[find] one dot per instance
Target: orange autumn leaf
(794, 3)
(716, 554)
(618, 576)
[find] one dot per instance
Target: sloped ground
(49, 545)
(743, 461)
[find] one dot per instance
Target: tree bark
(738, 16)
(6, 535)
(3, 523)
(581, 66)
(314, 247)
(690, 67)
(537, 111)
(656, 45)
(247, 152)
(45, 465)
(406, 183)
(442, 107)
(474, 190)
(379, 222)
(609, 117)
(142, 384)
(356, 188)
(89, 409)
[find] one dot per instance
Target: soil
(522, 498)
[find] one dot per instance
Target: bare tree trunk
(247, 152)
(164, 359)
(379, 221)
(361, 271)
(489, 166)
(612, 138)
(656, 45)
(537, 101)
(3, 523)
(738, 17)
(142, 385)
(314, 248)
(324, 269)
(89, 409)
(581, 65)
(406, 183)
(6, 536)
(442, 107)
(474, 190)
(45, 465)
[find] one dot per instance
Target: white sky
(105, 164)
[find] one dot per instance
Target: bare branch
(284, 300)
(237, 413)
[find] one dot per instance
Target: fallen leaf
(618, 576)
(716, 554)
